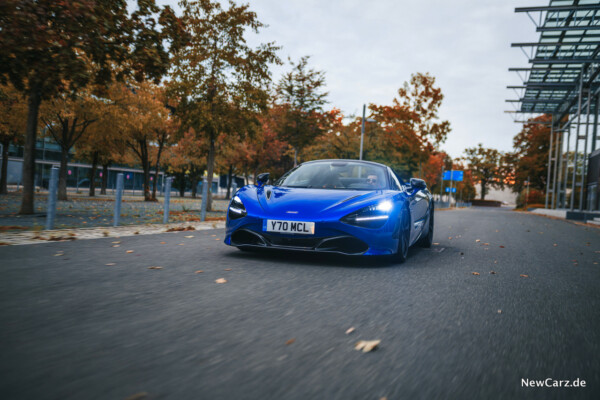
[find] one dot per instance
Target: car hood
(285, 202)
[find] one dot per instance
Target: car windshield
(346, 175)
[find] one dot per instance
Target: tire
(427, 240)
(403, 241)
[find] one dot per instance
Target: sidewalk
(81, 211)
(34, 237)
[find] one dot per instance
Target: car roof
(347, 160)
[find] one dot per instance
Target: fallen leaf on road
(199, 271)
(493, 272)
(477, 241)
(475, 273)
(524, 276)
(116, 245)
(110, 264)
(181, 244)
(554, 245)
(367, 345)
(449, 237)
(497, 230)
(227, 269)
(137, 396)
(349, 330)
(163, 242)
(499, 311)
(436, 244)
(292, 340)
(155, 267)
(217, 239)
(495, 261)
(501, 247)
(129, 251)
(221, 280)
(486, 244)
(189, 237)
(116, 242)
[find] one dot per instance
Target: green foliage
(300, 94)
(487, 167)
(530, 158)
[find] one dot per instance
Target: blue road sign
(448, 190)
(456, 176)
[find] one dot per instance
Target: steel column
(574, 179)
(584, 161)
(566, 177)
(557, 146)
(549, 162)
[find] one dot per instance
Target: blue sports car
(333, 206)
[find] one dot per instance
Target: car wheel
(403, 241)
(427, 240)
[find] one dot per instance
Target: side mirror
(418, 184)
(262, 179)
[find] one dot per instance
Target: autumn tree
(186, 160)
(148, 126)
(409, 130)
(300, 93)
(337, 141)
(13, 114)
(218, 75)
(47, 47)
(530, 158)
(66, 119)
(104, 140)
(487, 167)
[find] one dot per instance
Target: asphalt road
(72, 327)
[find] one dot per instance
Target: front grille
(302, 242)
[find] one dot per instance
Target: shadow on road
(291, 257)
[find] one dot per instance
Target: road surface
(73, 327)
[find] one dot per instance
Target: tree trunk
(146, 167)
(62, 174)
(295, 156)
(4, 172)
(33, 107)
(229, 177)
(483, 190)
(194, 181)
(209, 170)
(182, 186)
(93, 174)
(104, 178)
(155, 183)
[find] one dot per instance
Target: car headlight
(236, 208)
(373, 216)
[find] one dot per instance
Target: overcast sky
(369, 48)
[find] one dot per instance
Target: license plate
(299, 228)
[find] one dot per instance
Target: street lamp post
(362, 129)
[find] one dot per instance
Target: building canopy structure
(563, 81)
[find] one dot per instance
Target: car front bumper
(331, 236)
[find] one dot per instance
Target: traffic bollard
(167, 200)
(204, 199)
(118, 199)
(51, 207)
